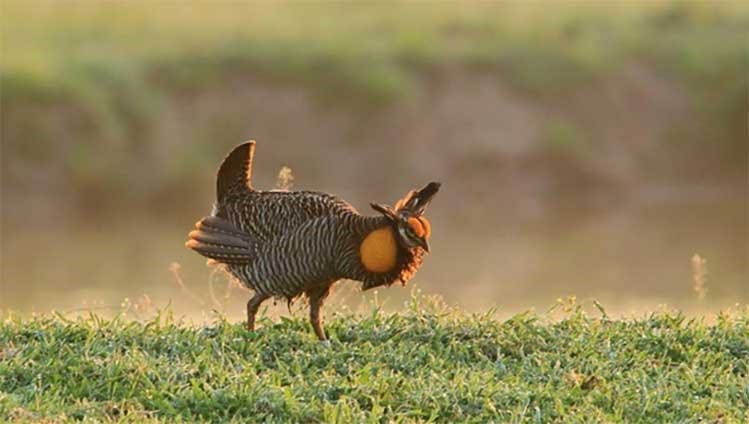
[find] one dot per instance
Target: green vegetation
(563, 137)
(115, 60)
(96, 53)
(89, 88)
(425, 364)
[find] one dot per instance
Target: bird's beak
(424, 244)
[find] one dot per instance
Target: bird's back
(267, 215)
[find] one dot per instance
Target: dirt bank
(488, 140)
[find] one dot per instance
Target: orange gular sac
(379, 250)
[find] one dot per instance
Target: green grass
(427, 363)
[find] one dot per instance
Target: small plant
(699, 276)
(563, 136)
(285, 179)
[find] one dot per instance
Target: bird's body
(288, 243)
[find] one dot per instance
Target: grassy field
(425, 364)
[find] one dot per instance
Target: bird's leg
(252, 306)
(316, 299)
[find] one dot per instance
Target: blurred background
(586, 148)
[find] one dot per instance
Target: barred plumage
(285, 244)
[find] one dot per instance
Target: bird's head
(408, 218)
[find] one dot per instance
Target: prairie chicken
(284, 244)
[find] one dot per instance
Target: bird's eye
(416, 227)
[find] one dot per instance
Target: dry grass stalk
(285, 179)
(699, 276)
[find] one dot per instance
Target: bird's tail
(235, 172)
(216, 238)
